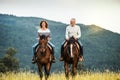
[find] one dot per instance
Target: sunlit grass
(61, 76)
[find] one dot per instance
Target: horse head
(71, 46)
(43, 40)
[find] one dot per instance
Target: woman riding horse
(43, 30)
(44, 57)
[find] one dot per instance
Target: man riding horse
(73, 30)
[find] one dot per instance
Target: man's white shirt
(74, 31)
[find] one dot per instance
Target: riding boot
(61, 58)
(53, 58)
(81, 54)
(34, 59)
(34, 51)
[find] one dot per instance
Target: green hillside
(101, 47)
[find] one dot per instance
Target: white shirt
(44, 32)
(74, 31)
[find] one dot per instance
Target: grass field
(61, 76)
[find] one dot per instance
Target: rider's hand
(49, 38)
(67, 39)
(75, 38)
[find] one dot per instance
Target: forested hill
(101, 47)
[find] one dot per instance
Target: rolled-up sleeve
(50, 34)
(78, 32)
(66, 34)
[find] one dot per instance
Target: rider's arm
(78, 33)
(49, 34)
(66, 34)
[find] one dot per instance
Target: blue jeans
(51, 44)
(53, 47)
(36, 44)
(78, 41)
(34, 48)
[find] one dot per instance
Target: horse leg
(74, 67)
(40, 71)
(66, 70)
(47, 70)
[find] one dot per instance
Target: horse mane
(42, 36)
(72, 40)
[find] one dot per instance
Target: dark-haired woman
(43, 30)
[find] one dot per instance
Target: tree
(9, 62)
(3, 68)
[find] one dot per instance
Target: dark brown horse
(71, 56)
(43, 57)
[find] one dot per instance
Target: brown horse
(71, 56)
(43, 57)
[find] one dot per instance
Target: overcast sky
(104, 13)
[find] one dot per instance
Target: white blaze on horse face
(71, 50)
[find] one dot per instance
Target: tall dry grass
(61, 76)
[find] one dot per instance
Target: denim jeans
(36, 44)
(78, 41)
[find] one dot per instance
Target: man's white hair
(73, 19)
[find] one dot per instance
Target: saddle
(51, 49)
(77, 44)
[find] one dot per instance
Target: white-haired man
(75, 31)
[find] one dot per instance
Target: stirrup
(34, 60)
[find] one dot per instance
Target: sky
(103, 13)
